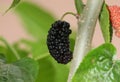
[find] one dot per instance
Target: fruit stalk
(86, 26)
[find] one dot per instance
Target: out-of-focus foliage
(37, 22)
(14, 3)
(24, 70)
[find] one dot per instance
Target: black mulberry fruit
(58, 42)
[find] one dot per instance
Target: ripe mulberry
(58, 42)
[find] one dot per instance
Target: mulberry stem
(70, 13)
(86, 26)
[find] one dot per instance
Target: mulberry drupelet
(58, 42)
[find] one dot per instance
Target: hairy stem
(86, 26)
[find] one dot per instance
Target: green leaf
(37, 49)
(2, 50)
(10, 53)
(2, 58)
(29, 68)
(46, 71)
(51, 71)
(79, 6)
(4, 54)
(105, 24)
(36, 20)
(14, 3)
(21, 50)
(99, 66)
(24, 70)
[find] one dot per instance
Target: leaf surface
(24, 70)
(99, 66)
(105, 24)
(79, 6)
(51, 71)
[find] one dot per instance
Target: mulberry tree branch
(86, 26)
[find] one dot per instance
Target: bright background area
(11, 27)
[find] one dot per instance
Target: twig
(86, 26)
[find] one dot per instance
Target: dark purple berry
(58, 42)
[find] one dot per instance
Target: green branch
(86, 26)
